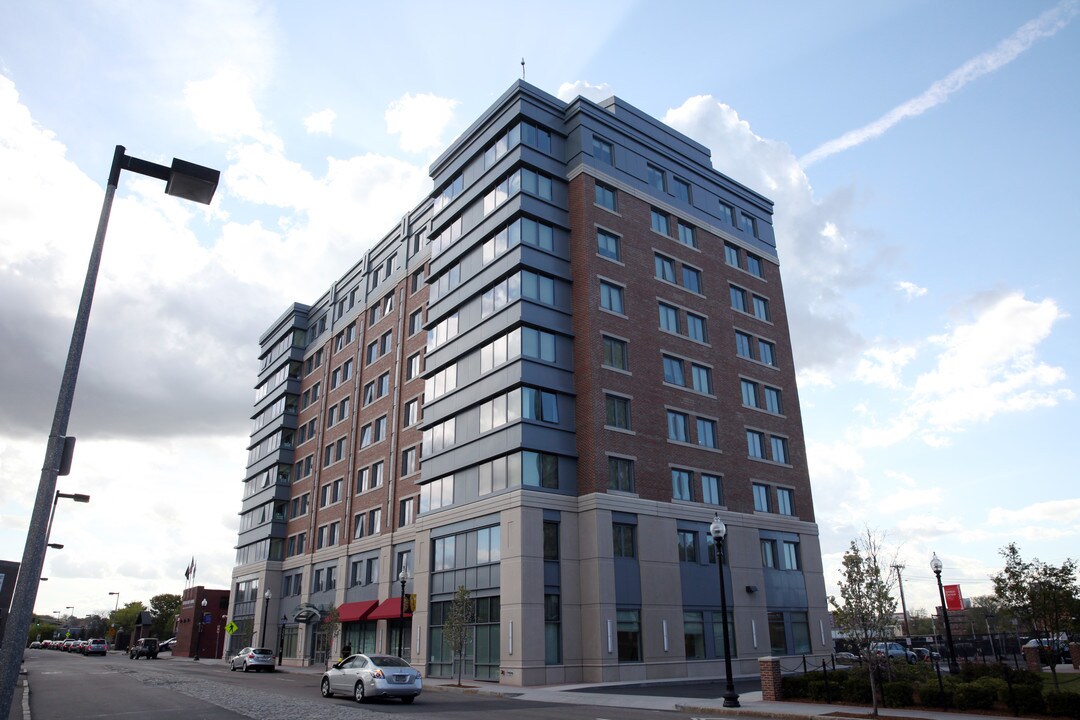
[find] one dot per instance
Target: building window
(761, 308)
(721, 629)
(416, 322)
(754, 265)
(691, 279)
(773, 402)
(747, 224)
(629, 635)
(761, 498)
(669, 318)
(711, 490)
(696, 328)
(768, 553)
(655, 177)
(673, 371)
(539, 470)
(779, 449)
(665, 268)
(317, 581)
(681, 189)
(659, 222)
(706, 433)
(702, 378)
(607, 245)
(686, 235)
(624, 541)
(539, 405)
(552, 630)
(551, 540)
(790, 552)
(694, 635)
(601, 150)
(618, 411)
(680, 484)
(785, 501)
(731, 255)
(687, 546)
(742, 345)
(616, 353)
(678, 426)
(611, 297)
(749, 393)
(726, 213)
(738, 299)
(621, 474)
(408, 461)
(412, 412)
(606, 198)
(767, 351)
(406, 512)
(755, 444)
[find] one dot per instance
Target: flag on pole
(190, 569)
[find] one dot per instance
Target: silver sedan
(368, 676)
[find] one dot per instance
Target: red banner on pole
(953, 599)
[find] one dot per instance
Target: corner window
(680, 484)
(785, 501)
(601, 150)
(655, 177)
(726, 213)
(622, 536)
(681, 189)
(747, 224)
(761, 498)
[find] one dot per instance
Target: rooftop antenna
(522, 68)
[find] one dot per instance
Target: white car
(251, 658)
(367, 676)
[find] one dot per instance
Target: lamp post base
(731, 699)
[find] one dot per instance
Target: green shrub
(795, 686)
(1027, 699)
(996, 685)
(818, 692)
(857, 690)
(973, 696)
(899, 694)
(930, 695)
(1065, 704)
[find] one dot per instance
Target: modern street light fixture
(718, 530)
(77, 497)
(281, 640)
(117, 601)
(402, 577)
(184, 180)
(266, 611)
(198, 636)
(936, 565)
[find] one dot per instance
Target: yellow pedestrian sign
(231, 627)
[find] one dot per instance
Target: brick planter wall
(770, 679)
(1031, 657)
(1074, 652)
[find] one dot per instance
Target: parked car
(167, 645)
(895, 651)
(144, 647)
(251, 658)
(367, 676)
(96, 646)
(1058, 648)
(845, 658)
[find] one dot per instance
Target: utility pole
(903, 604)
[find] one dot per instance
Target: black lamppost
(198, 635)
(935, 565)
(281, 640)
(183, 179)
(266, 612)
(402, 577)
(718, 530)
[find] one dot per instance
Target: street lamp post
(266, 611)
(117, 601)
(183, 179)
(718, 530)
(402, 577)
(198, 635)
(281, 640)
(936, 566)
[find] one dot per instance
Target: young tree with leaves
(866, 607)
(332, 627)
(457, 626)
(1039, 594)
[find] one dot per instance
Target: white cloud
(320, 123)
(1044, 26)
(910, 289)
(597, 93)
(1064, 514)
(223, 106)
(419, 120)
(882, 366)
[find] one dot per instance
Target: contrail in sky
(1006, 51)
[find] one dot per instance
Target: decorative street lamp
(198, 636)
(936, 566)
(281, 640)
(266, 612)
(185, 180)
(718, 530)
(402, 577)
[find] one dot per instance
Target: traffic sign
(231, 627)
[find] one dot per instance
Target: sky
(921, 156)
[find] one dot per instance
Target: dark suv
(144, 647)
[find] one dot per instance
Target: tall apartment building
(542, 385)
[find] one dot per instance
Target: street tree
(866, 608)
(1040, 595)
(164, 608)
(331, 623)
(457, 626)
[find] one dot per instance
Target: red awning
(389, 609)
(351, 612)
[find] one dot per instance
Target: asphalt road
(70, 687)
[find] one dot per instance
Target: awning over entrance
(389, 609)
(354, 611)
(307, 613)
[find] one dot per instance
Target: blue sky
(922, 157)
